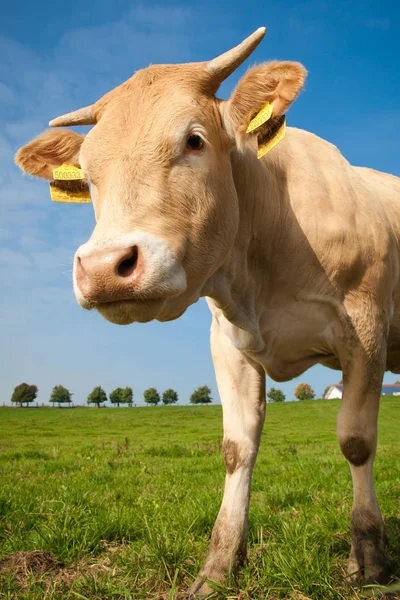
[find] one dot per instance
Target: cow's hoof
(368, 562)
(200, 589)
(369, 565)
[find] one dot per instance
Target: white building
(336, 390)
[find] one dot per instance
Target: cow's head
(158, 160)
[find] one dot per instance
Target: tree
(170, 396)
(304, 391)
(121, 396)
(24, 394)
(128, 396)
(61, 395)
(151, 396)
(117, 396)
(276, 395)
(201, 396)
(97, 396)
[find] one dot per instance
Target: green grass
(123, 502)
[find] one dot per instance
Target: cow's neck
(239, 289)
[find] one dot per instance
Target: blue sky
(55, 57)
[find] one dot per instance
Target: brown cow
(297, 254)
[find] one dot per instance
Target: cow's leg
(363, 366)
(241, 386)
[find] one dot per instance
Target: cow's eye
(195, 142)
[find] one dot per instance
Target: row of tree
(303, 391)
(25, 394)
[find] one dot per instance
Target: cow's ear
(275, 85)
(48, 151)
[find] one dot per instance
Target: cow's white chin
(125, 312)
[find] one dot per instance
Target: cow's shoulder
(348, 216)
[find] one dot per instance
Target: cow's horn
(83, 116)
(222, 66)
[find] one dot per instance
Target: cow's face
(164, 200)
(158, 162)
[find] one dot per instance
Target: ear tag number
(67, 173)
(78, 193)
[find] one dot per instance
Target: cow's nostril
(127, 266)
(81, 276)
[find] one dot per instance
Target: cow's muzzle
(137, 268)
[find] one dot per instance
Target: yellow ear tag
(261, 118)
(67, 173)
(59, 195)
(266, 146)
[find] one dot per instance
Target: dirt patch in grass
(38, 574)
(26, 568)
(22, 565)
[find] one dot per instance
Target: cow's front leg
(241, 386)
(357, 433)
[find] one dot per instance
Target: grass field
(119, 503)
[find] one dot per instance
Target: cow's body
(297, 254)
(316, 225)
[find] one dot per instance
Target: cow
(296, 252)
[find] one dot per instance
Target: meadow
(119, 503)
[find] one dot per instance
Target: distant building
(336, 390)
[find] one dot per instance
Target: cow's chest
(286, 340)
